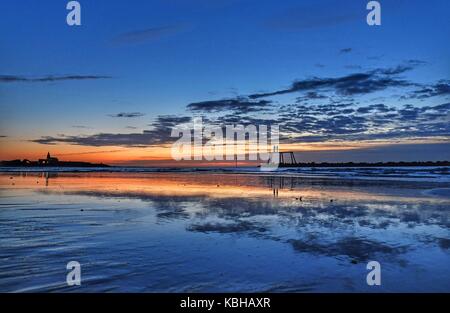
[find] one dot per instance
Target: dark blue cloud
(441, 88)
(346, 50)
(128, 114)
(239, 105)
(49, 78)
(159, 134)
(353, 84)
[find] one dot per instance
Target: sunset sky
(111, 89)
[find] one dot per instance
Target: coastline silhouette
(49, 161)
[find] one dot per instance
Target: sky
(111, 89)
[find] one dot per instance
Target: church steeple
(49, 161)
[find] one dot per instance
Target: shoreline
(438, 174)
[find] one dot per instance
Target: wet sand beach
(214, 232)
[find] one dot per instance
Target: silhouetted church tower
(48, 161)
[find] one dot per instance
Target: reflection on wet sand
(221, 185)
(338, 224)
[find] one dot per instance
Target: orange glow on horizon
(160, 156)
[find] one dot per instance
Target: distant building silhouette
(49, 160)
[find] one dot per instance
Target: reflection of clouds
(355, 225)
(173, 214)
(269, 220)
(359, 249)
(444, 243)
(441, 242)
(235, 227)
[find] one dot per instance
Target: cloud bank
(50, 78)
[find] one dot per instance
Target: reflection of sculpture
(280, 182)
(49, 160)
